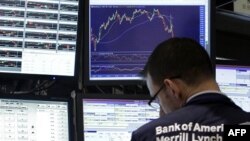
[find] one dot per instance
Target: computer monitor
(39, 37)
(112, 117)
(228, 36)
(35, 119)
(234, 81)
(120, 35)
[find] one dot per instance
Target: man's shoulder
(175, 130)
(197, 117)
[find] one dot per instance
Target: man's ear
(173, 87)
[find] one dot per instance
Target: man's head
(177, 66)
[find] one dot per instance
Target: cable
(225, 4)
(40, 87)
(45, 86)
(100, 89)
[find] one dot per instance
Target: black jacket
(201, 118)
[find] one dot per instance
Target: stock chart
(123, 37)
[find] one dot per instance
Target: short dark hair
(182, 57)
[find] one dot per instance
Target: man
(179, 76)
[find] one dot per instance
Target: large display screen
(107, 119)
(234, 81)
(123, 33)
(34, 120)
(38, 37)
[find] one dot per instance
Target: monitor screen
(106, 119)
(34, 120)
(122, 34)
(38, 37)
(234, 81)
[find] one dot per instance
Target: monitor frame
(231, 63)
(79, 107)
(230, 35)
(78, 53)
(86, 52)
(234, 64)
(49, 98)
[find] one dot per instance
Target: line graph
(122, 37)
(120, 58)
(116, 69)
(106, 27)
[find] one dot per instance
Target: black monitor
(120, 35)
(233, 80)
(39, 38)
(35, 118)
(105, 117)
(229, 36)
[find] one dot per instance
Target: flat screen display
(34, 120)
(106, 119)
(234, 81)
(122, 34)
(38, 37)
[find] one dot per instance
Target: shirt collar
(203, 92)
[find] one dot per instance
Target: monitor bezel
(79, 107)
(230, 35)
(235, 65)
(232, 62)
(86, 63)
(78, 53)
(49, 98)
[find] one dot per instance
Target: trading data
(123, 36)
(38, 36)
(235, 83)
(114, 119)
(33, 120)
